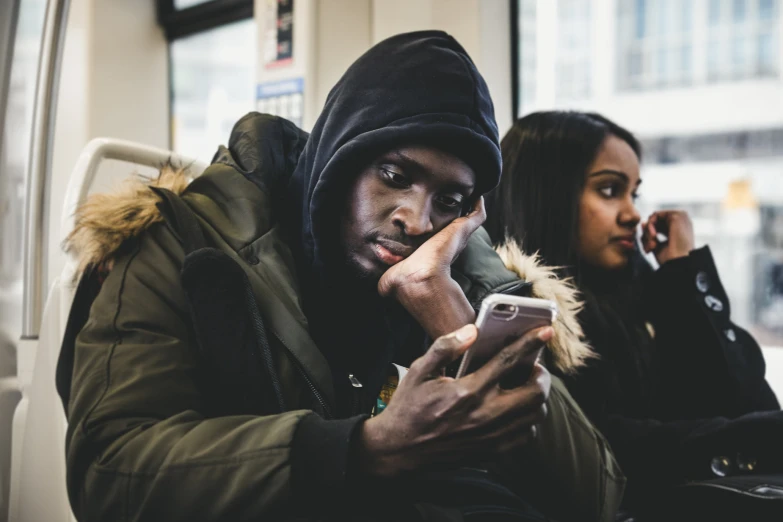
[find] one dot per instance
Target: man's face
(400, 200)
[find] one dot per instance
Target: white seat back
(38, 490)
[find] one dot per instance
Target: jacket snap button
(713, 303)
(720, 466)
(702, 282)
(746, 464)
(730, 335)
(252, 259)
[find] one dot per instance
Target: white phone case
(502, 319)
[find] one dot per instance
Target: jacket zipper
(300, 367)
(314, 390)
(316, 393)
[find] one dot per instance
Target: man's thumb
(445, 350)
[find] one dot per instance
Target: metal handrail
(40, 167)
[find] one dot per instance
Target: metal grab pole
(40, 167)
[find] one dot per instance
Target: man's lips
(390, 252)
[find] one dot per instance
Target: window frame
(180, 23)
(515, 69)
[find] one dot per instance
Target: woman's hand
(676, 226)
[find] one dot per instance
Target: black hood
(418, 88)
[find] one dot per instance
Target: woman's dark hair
(545, 158)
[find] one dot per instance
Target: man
(233, 352)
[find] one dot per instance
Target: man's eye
(450, 202)
(396, 178)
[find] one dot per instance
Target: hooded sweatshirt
(417, 88)
(420, 88)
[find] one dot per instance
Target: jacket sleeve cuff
(683, 267)
(320, 456)
(683, 273)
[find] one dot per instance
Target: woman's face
(607, 213)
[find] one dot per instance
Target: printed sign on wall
(284, 98)
(279, 34)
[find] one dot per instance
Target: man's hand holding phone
(436, 420)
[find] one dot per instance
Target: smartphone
(502, 319)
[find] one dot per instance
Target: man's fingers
(444, 351)
(479, 211)
(511, 356)
(516, 431)
(529, 409)
(525, 422)
(527, 398)
(475, 218)
(453, 238)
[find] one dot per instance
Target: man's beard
(359, 277)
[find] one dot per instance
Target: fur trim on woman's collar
(568, 348)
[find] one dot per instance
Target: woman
(673, 373)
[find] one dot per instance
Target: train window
(212, 86)
(698, 83)
(212, 51)
(15, 134)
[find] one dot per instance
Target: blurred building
(699, 81)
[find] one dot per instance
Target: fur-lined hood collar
(106, 221)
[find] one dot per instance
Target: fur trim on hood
(105, 221)
(568, 348)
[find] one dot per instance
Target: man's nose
(413, 216)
